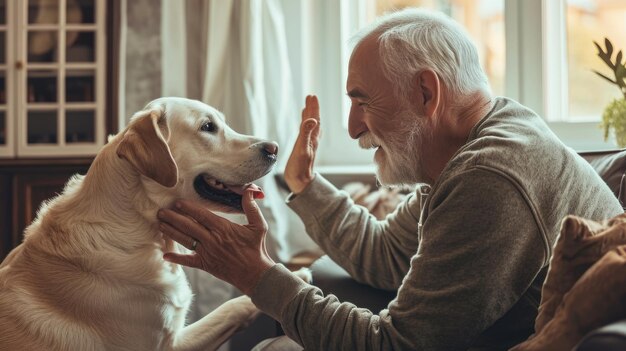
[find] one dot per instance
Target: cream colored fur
(90, 274)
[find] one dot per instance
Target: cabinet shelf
(56, 66)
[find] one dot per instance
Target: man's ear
(144, 146)
(429, 87)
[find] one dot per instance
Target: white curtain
(247, 76)
(233, 55)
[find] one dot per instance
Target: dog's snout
(269, 149)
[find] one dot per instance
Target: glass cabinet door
(6, 126)
(61, 110)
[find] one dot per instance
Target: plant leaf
(607, 60)
(604, 56)
(605, 77)
(609, 47)
(598, 47)
(620, 72)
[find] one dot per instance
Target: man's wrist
(298, 186)
(258, 270)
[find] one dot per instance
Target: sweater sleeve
(374, 252)
(481, 249)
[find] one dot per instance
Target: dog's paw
(243, 309)
(304, 274)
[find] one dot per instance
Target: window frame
(8, 148)
(318, 48)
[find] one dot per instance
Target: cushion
(379, 202)
(611, 166)
(611, 337)
(586, 283)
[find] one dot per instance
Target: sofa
(332, 279)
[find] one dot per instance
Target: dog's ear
(144, 146)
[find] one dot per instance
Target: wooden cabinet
(58, 102)
(24, 185)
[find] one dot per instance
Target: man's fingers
(174, 234)
(182, 223)
(311, 108)
(205, 217)
(314, 138)
(185, 260)
(253, 212)
(308, 127)
(304, 138)
(313, 111)
(315, 133)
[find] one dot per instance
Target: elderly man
(469, 262)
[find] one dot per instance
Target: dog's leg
(218, 326)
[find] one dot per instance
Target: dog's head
(185, 146)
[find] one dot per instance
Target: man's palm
(299, 169)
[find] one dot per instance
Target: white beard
(400, 160)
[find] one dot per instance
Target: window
(483, 19)
(589, 21)
(538, 52)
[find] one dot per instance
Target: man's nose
(356, 126)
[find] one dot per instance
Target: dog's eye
(208, 127)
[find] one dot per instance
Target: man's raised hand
(299, 168)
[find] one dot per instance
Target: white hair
(413, 40)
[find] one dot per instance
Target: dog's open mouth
(230, 195)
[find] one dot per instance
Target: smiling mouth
(229, 195)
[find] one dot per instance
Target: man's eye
(208, 127)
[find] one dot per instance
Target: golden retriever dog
(90, 273)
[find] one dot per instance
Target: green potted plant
(614, 116)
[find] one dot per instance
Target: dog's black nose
(270, 149)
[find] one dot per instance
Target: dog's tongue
(239, 189)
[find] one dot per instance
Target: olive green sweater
(471, 276)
